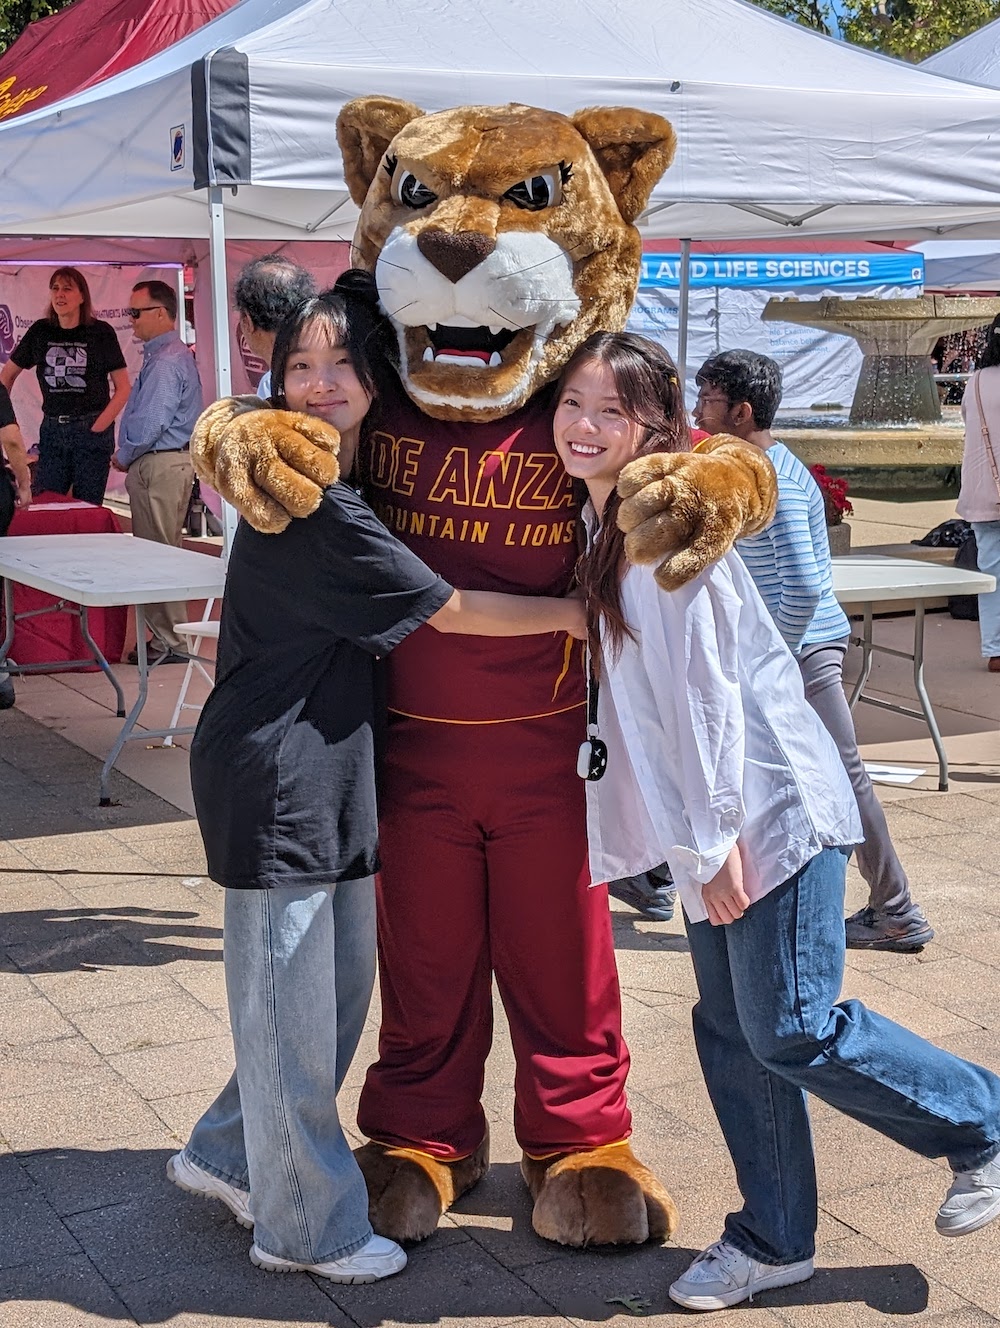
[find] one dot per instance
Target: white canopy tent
(231, 130)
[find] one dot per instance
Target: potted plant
(838, 506)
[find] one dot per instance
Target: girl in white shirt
(717, 765)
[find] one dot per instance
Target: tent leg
(220, 329)
(684, 302)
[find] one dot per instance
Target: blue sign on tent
(760, 271)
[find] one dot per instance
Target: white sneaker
(722, 1275)
(187, 1175)
(379, 1258)
(972, 1202)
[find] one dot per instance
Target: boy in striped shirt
(739, 393)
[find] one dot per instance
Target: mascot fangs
(500, 238)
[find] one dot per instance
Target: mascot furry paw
(681, 515)
(499, 239)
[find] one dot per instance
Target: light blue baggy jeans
(768, 1031)
(988, 558)
(300, 965)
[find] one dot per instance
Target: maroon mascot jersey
(488, 507)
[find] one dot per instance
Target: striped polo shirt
(790, 560)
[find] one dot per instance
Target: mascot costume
(499, 238)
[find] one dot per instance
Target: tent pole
(220, 329)
(682, 314)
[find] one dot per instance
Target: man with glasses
(154, 434)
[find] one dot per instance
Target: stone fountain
(896, 385)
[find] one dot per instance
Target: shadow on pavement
(64, 940)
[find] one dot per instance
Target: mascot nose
(455, 254)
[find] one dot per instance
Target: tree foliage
(909, 29)
(15, 15)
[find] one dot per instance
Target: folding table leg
(925, 700)
(98, 654)
(135, 712)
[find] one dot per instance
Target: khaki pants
(159, 490)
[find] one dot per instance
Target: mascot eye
(409, 191)
(540, 191)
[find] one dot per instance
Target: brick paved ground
(113, 1036)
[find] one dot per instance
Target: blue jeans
(988, 558)
(300, 965)
(72, 456)
(767, 1032)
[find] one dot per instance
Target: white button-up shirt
(711, 742)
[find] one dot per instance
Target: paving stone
(31, 1231)
(587, 1286)
(158, 1023)
(959, 983)
(918, 1013)
(457, 1281)
(78, 1180)
(46, 1067)
(231, 1293)
(166, 1071)
(859, 1283)
(31, 1021)
(74, 1118)
(180, 1113)
(157, 1233)
(61, 1293)
(98, 990)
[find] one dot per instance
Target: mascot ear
(365, 128)
(633, 149)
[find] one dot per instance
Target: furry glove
(684, 510)
(269, 464)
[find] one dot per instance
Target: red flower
(834, 493)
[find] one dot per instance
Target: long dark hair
(649, 392)
(990, 357)
(74, 275)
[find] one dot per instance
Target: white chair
(206, 629)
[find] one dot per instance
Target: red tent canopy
(89, 41)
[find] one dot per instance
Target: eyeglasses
(705, 400)
(136, 310)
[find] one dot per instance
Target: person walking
(739, 393)
(979, 498)
(84, 383)
(153, 447)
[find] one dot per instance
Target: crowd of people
(732, 767)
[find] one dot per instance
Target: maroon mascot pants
(483, 845)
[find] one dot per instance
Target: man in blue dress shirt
(153, 439)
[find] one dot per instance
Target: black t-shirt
(72, 364)
(283, 761)
(7, 416)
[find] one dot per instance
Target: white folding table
(95, 571)
(867, 579)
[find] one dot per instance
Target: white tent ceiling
(776, 124)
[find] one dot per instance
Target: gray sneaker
(722, 1276)
(870, 930)
(973, 1201)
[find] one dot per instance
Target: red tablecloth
(57, 636)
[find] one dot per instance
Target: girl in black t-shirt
(74, 355)
(283, 773)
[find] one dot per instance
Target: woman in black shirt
(283, 772)
(74, 354)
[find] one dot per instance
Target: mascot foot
(409, 1190)
(602, 1197)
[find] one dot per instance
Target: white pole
(220, 330)
(684, 301)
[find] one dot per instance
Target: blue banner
(781, 271)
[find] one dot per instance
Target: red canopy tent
(88, 42)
